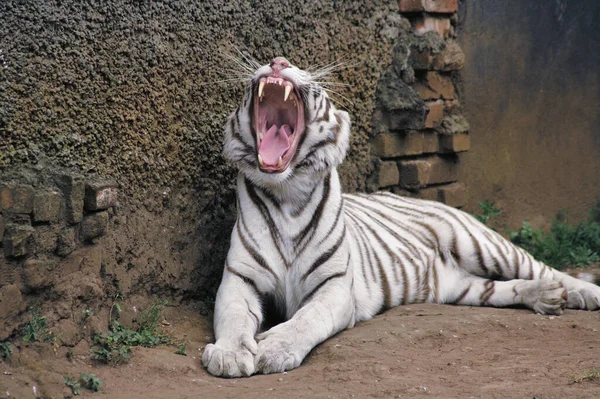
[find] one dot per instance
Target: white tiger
(321, 260)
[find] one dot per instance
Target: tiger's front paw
(230, 359)
(276, 353)
(585, 298)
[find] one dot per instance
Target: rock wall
(419, 129)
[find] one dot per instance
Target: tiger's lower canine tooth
(288, 90)
(280, 163)
(261, 87)
(260, 161)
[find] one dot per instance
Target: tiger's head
(286, 129)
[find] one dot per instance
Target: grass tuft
(115, 346)
(35, 330)
(591, 375)
(5, 350)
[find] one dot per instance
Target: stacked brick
(54, 219)
(422, 160)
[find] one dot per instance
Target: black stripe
(325, 256)
(245, 279)
(243, 221)
(385, 285)
(359, 206)
(359, 243)
(255, 255)
(325, 117)
(335, 222)
(325, 281)
(488, 292)
(316, 217)
(266, 214)
(462, 294)
(365, 240)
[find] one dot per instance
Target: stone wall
(136, 93)
(419, 156)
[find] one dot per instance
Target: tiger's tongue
(274, 144)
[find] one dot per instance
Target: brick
(436, 113)
(428, 23)
(436, 6)
(37, 274)
(432, 86)
(46, 206)
(67, 242)
(16, 198)
(16, 239)
(45, 239)
(445, 57)
(388, 174)
(431, 143)
(451, 58)
(430, 194)
(73, 189)
(453, 124)
(11, 304)
(454, 194)
(93, 226)
(423, 172)
(389, 145)
(100, 195)
(1, 227)
(454, 142)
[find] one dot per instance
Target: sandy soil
(414, 351)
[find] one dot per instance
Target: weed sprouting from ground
(181, 350)
(87, 381)
(591, 375)
(115, 346)
(74, 384)
(35, 330)
(5, 350)
(90, 381)
(564, 245)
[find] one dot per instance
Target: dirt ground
(408, 352)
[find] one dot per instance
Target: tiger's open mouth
(278, 121)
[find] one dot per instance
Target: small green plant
(35, 330)
(74, 384)
(488, 211)
(87, 313)
(115, 346)
(90, 381)
(5, 350)
(181, 350)
(563, 245)
(591, 375)
(149, 318)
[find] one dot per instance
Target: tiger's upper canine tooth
(280, 163)
(288, 90)
(261, 87)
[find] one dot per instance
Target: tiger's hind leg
(544, 296)
(482, 252)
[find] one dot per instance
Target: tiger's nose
(279, 63)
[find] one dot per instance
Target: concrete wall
(531, 92)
